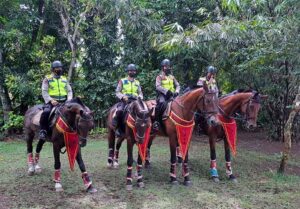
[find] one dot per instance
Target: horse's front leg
(139, 169)
(116, 155)
(57, 165)
(173, 144)
(148, 154)
(30, 161)
(85, 176)
(39, 147)
(185, 171)
(129, 163)
(111, 147)
(213, 159)
(228, 162)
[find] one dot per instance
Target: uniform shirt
(211, 84)
(45, 87)
(161, 89)
(119, 88)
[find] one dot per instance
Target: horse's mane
(238, 91)
(189, 89)
(77, 100)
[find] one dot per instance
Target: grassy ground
(259, 186)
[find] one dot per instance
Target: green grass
(259, 186)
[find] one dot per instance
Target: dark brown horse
(248, 105)
(78, 119)
(141, 116)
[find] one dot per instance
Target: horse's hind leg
(116, 155)
(228, 162)
(30, 162)
(148, 154)
(85, 176)
(39, 147)
(111, 148)
(213, 159)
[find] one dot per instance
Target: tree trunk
(5, 100)
(288, 134)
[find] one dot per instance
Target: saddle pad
(37, 116)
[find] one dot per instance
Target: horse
(135, 133)
(245, 102)
(77, 119)
(184, 107)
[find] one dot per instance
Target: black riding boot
(44, 121)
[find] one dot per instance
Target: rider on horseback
(127, 90)
(167, 88)
(210, 80)
(55, 89)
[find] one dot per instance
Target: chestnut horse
(141, 115)
(79, 119)
(185, 107)
(248, 104)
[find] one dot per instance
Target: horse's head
(251, 108)
(208, 106)
(142, 116)
(80, 118)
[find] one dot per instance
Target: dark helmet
(212, 69)
(165, 62)
(56, 64)
(131, 67)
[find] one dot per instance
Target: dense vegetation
(253, 43)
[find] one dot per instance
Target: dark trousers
(44, 120)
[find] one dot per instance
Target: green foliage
(14, 123)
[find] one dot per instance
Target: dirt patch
(5, 202)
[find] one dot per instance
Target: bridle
(204, 113)
(76, 128)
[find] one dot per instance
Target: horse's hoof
(91, 190)
(129, 187)
(116, 165)
(187, 183)
(147, 165)
(30, 171)
(233, 179)
(38, 169)
(58, 187)
(174, 183)
(109, 165)
(141, 184)
(215, 179)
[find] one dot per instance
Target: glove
(125, 98)
(54, 102)
(176, 94)
(169, 94)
